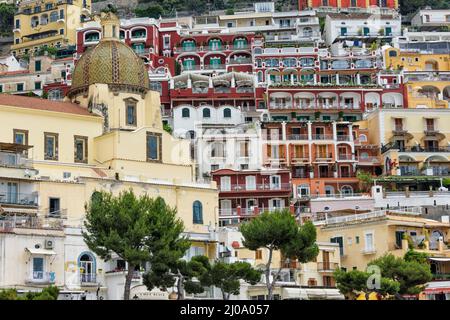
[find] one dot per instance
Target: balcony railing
(14, 160)
(88, 278)
(327, 266)
(345, 157)
(322, 137)
(30, 222)
(298, 137)
(369, 159)
(343, 138)
(214, 66)
(23, 199)
(41, 277)
(256, 187)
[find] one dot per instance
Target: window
(225, 184)
(275, 182)
(20, 136)
(38, 268)
(185, 113)
(227, 113)
(61, 31)
(154, 147)
(51, 146)
(197, 212)
(18, 24)
(303, 190)
(81, 149)
(19, 87)
(206, 113)
(61, 14)
(37, 85)
(166, 42)
(1, 88)
(243, 149)
(54, 206)
(250, 183)
(369, 242)
(357, 239)
(131, 114)
(258, 254)
(217, 150)
(53, 16)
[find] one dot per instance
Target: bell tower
(110, 24)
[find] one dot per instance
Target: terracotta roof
(7, 73)
(43, 104)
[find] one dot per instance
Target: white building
(429, 19)
(360, 28)
(228, 147)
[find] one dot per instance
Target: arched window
(362, 138)
(206, 113)
(197, 212)
(347, 190)
(87, 267)
(227, 113)
(185, 113)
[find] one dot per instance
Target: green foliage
(446, 182)
(6, 17)
(110, 8)
(412, 255)
(229, 12)
(317, 115)
(136, 229)
(411, 6)
(365, 180)
(353, 282)
(279, 231)
(411, 273)
(49, 293)
(153, 11)
(167, 128)
(226, 277)
(167, 269)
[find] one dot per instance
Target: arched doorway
(87, 267)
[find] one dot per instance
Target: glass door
(12, 193)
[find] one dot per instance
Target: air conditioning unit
(49, 244)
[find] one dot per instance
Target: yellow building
(414, 142)
(365, 237)
(427, 76)
(107, 135)
(50, 23)
(416, 61)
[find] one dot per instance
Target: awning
(437, 290)
(40, 251)
(439, 259)
(294, 293)
(13, 147)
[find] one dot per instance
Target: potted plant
(341, 115)
(317, 115)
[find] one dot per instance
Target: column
(337, 78)
(233, 81)
(189, 83)
(172, 84)
(358, 79)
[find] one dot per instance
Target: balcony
(8, 223)
(322, 137)
(344, 157)
(255, 187)
(41, 277)
(88, 279)
(343, 138)
(241, 61)
(215, 67)
(327, 266)
(298, 137)
(20, 199)
(14, 160)
(368, 160)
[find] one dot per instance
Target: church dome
(110, 62)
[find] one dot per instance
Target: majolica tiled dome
(110, 62)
